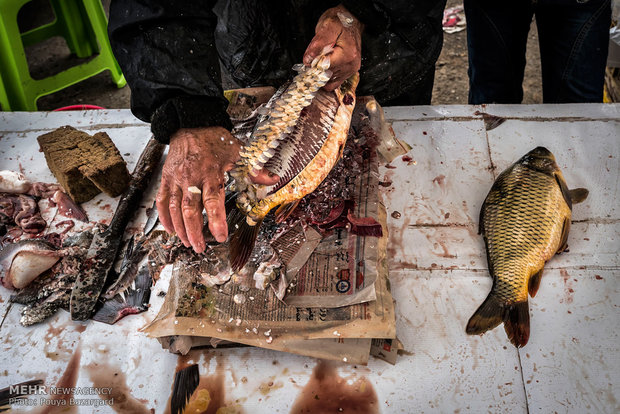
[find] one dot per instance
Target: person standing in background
(573, 38)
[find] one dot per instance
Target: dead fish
(22, 262)
(54, 292)
(300, 141)
(133, 300)
(44, 309)
(525, 220)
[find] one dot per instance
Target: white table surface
(438, 275)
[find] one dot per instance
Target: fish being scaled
(524, 220)
(300, 141)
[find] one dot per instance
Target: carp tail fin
(487, 316)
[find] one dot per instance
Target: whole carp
(300, 141)
(525, 220)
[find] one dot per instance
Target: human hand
(340, 29)
(192, 178)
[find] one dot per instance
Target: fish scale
(525, 221)
(305, 141)
(533, 235)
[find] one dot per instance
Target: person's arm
(167, 54)
(166, 51)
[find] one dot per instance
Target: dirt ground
(451, 81)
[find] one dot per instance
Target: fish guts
(300, 140)
(525, 220)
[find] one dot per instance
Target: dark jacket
(170, 51)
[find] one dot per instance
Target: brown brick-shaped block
(62, 154)
(106, 168)
(83, 164)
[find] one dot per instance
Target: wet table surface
(438, 275)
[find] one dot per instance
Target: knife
(105, 245)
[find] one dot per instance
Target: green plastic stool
(83, 25)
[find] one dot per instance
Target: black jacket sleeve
(167, 52)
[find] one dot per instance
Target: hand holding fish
(193, 177)
(340, 30)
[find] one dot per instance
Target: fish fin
(285, 210)
(488, 316)
(534, 282)
(564, 236)
(132, 301)
(492, 121)
(517, 323)
(481, 218)
(242, 243)
(185, 383)
(129, 247)
(577, 195)
(565, 192)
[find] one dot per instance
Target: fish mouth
(540, 159)
(541, 152)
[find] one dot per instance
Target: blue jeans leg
(496, 41)
(573, 38)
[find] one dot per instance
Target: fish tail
(242, 243)
(185, 383)
(517, 323)
(488, 316)
(493, 311)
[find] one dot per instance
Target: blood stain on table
(66, 383)
(110, 378)
(440, 180)
(57, 331)
(327, 392)
(568, 285)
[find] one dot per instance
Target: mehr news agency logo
(34, 393)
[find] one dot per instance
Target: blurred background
(451, 82)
